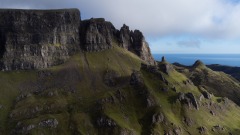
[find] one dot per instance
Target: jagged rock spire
(163, 59)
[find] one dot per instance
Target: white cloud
(189, 43)
(205, 18)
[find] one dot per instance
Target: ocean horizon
(208, 59)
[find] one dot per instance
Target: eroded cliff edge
(36, 39)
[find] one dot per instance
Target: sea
(189, 59)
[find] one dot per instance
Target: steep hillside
(109, 85)
(111, 92)
(80, 82)
(233, 71)
(218, 83)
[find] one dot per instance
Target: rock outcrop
(110, 78)
(125, 37)
(136, 79)
(97, 34)
(105, 122)
(34, 39)
(50, 123)
(141, 47)
(164, 66)
(188, 99)
(135, 42)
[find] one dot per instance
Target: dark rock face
(188, 99)
(110, 78)
(206, 95)
(158, 118)
(22, 128)
(105, 122)
(165, 67)
(25, 129)
(218, 128)
(125, 37)
(96, 34)
(34, 39)
(50, 123)
(136, 79)
(202, 130)
(135, 42)
(188, 121)
(163, 59)
(141, 47)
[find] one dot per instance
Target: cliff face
(135, 42)
(97, 34)
(141, 47)
(33, 39)
(125, 38)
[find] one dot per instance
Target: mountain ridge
(108, 85)
(36, 39)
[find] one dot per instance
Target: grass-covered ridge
(96, 93)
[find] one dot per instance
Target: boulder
(174, 89)
(155, 70)
(149, 100)
(110, 78)
(23, 129)
(218, 128)
(212, 113)
(120, 95)
(202, 130)
(157, 118)
(49, 123)
(104, 121)
(136, 79)
(164, 89)
(188, 99)
(206, 95)
(188, 121)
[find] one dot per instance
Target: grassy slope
(72, 94)
(218, 83)
(10, 83)
(90, 68)
(227, 117)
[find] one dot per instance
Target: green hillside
(108, 93)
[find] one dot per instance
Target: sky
(169, 26)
